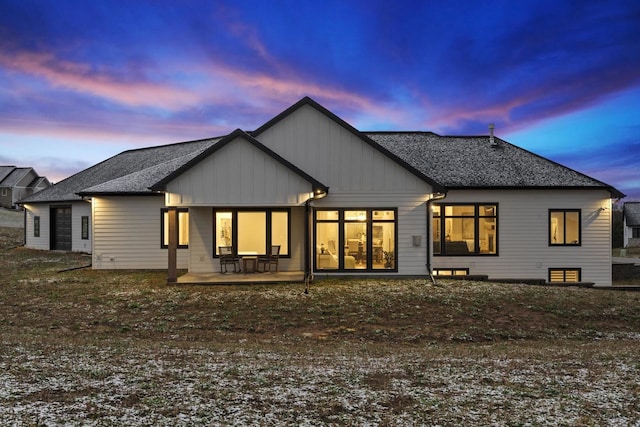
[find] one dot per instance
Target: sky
(81, 81)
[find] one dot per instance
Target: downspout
(437, 196)
(308, 273)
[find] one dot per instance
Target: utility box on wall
(417, 240)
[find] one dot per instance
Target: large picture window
(465, 229)
(251, 232)
(564, 227)
(183, 228)
(355, 239)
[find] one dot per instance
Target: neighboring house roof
(130, 172)
(14, 177)
(631, 214)
(472, 162)
(4, 172)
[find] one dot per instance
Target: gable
(331, 150)
(239, 173)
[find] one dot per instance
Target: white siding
(336, 157)
(78, 210)
(201, 242)
(239, 174)
(127, 233)
(42, 242)
(523, 234)
(412, 217)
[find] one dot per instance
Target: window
(564, 227)
(84, 226)
(355, 239)
(252, 231)
(4, 192)
(183, 228)
(451, 271)
(635, 232)
(565, 275)
(465, 229)
(36, 226)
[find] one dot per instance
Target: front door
(61, 228)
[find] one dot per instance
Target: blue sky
(81, 81)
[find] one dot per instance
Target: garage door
(61, 229)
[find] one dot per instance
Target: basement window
(565, 275)
(450, 271)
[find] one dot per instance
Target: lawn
(83, 347)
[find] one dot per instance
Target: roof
(5, 171)
(15, 176)
(472, 162)
(130, 172)
(446, 162)
(631, 213)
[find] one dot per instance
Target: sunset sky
(81, 81)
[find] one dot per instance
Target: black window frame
(234, 228)
(370, 221)
(635, 232)
(451, 270)
(162, 236)
(476, 229)
(564, 271)
(564, 228)
(84, 227)
(36, 226)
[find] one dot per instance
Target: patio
(241, 278)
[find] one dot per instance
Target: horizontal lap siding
(127, 232)
(523, 235)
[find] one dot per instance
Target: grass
(112, 348)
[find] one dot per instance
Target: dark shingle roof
(4, 172)
(129, 172)
(632, 213)
(473, 162)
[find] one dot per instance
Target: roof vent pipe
(492, 140)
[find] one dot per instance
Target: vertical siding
(127, 232)
(336, 157)
(239, 174)
(201, 248)
(42, 242)
(523, 234)
(411, 222)
(78, 210)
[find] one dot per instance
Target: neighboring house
(631, 221)
(338, 201)
(18, 183)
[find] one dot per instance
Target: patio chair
(227, 256)
(272, 258)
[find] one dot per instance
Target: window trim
(476, 228)
(564, 271)
(36, 226)
(162, 212)
(234, 227)
(370, 221)
(84, 227)
(564, 211)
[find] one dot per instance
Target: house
(17, 183)
(631, 224)
(338, 201)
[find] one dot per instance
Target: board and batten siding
(336, 157)
(523, 234)
(201, 241)
(239, 174)
(127, 234)
(412, 221)
(43, 210)
(44, 241)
